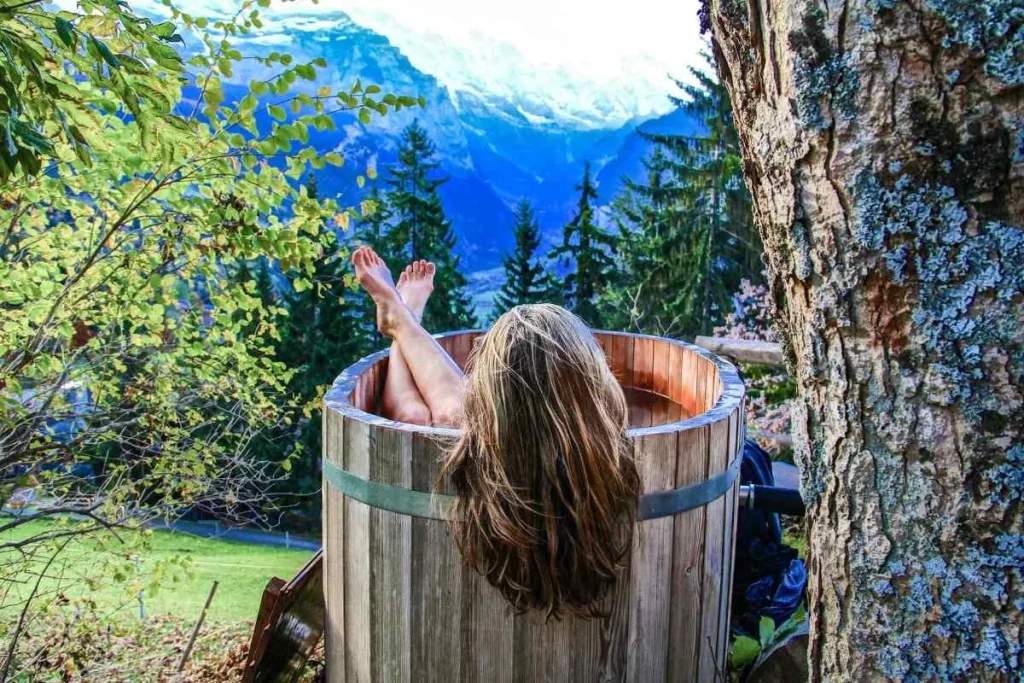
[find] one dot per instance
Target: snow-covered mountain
(495, 149)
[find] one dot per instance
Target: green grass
(183, 566)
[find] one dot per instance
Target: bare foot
(376, 279)
(415, 284)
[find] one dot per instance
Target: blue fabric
(778, 595)
(768, 577)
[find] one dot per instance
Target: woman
(542, 469)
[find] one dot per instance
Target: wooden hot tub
(402, 607)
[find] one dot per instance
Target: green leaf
(767, 631)
(108, 56)
(372, 89)
(164, 30)
(66, 31)
(277, 112)
(164, 55)
(333, 158)
(263, 3)
(364, 116)
(744, 652)
(258, 87)
(306, 71)
(360, 181)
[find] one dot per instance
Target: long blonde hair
(543, 471)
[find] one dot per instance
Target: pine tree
(707, 170)
(526, 279)
(586, 248)
(420, 230)
(652, 291)
(687, 233)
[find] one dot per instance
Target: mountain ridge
(494, 152)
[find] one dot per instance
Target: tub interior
(664, 382)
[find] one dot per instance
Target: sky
(619, 52)
(629, 45)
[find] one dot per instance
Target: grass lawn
(184, 567)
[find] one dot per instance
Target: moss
(822, 74)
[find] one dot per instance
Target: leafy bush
(131, 190)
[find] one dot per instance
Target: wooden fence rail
(744, 350)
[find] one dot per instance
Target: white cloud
(615, 56)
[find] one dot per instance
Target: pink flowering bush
(770, 390)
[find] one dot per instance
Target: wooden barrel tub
(400, 604)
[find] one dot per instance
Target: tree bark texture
(884, 151)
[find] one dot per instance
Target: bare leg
(437, 376)
(402, 401)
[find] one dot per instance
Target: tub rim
(733, 392)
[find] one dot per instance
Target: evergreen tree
(420, 230)
(652, 291)
(688, 236)
(526, 280)
(586, 248)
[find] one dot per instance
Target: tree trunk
(883, 148)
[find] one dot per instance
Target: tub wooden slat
(436, 581)
(651, 560)
(688, 568)
(688, 386)
(358, 586)
(730, 501)
(402, 606)
(333, 535)
(622, 364)
(488, 654)
(660, 384)
(613, 634)
(643, 363)
(461, 347)
(391, 561)
(714, 552)
(675, 376)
